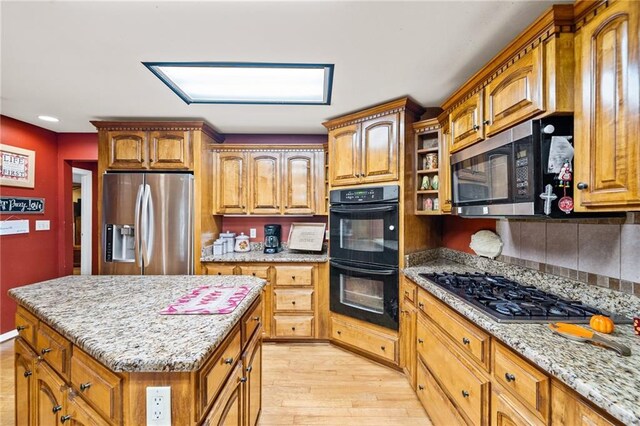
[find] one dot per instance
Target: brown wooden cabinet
(568, 409)
(252, 364)
(299, 183)
(170, 149)
(379, 149)
(227, 410)
(125, 149)
(78, 413)
(230, 183)
(25, 360)
(607, 116)
(507, 411)
(48, 395)
(375, 341)
(264, 182)
(344, 149)
(465, 122)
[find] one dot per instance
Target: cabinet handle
(45, 351)
(293, 302)
(466, 341)
(510, 377)
(420, 387)
(65, 418)
(486, 122)
(20, 328)
(219, 273)
(249, 368)
(339, 332)
(581, 186)
(254, 274)
(465, 394)
(228, 360)
(28, 373)
(56, 408)
(382, 347)
(243, 379)
(293, 277)
(476, 127)
(293, 328)
(420, 305)
(420, 341)
(256, 319)
(85, 386)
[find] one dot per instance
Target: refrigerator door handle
(144, 228)
(137, 226)
(150, 228)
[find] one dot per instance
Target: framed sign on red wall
(17, 166)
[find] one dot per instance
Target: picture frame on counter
(17, 166)
(307, 236)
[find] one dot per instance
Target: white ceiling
(81, 60)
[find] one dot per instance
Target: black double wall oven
(363, 227)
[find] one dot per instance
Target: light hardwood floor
(315, 384)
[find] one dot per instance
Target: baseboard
(8, 335)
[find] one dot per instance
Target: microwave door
(484, 179)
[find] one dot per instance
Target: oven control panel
(365, 195)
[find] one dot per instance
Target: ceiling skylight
(247, 83)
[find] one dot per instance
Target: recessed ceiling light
(247, 83)
(48, 118)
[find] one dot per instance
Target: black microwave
(524, 171)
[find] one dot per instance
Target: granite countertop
(116, 319)
(258, 256)
(609, 380)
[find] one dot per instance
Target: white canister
(242, 243)
(218, 247)
(229, 239)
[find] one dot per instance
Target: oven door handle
(367, 210)
(364, 271)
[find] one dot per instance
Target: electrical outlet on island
(159, 406)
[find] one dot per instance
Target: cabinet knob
(293, 328)
(249, 368)
(420, 341)
(254, 274)
(228, 360)
(581, 186)
(45, 351)
(293, 302)
(219, 273)
(486, 122)
(476, 127)
(56, 408)
(420, 305)
(382, 347)
(466, 341)
(339, 332)
(465, 394)
(243, 380)
(420, 387)
(28, 373)
(65, 418)
(510, 377)
(85, 386)
(20, 328)
(256, 319)
(293, 277)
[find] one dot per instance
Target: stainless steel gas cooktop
(508, 301)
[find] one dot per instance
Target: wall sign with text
(21, 205)
(17, 166)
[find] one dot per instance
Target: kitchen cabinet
(607, 116)
(465, 122)
(227, 410)
(280, 180)
(407, 337)
(49, 395)
(569, 409)
(377, 342)
(507, 411)
(252, 364)
(78, 413)
(24, 363)
(344, 149)
(125, 149)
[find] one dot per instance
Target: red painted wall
(457, 231)
(32, 257)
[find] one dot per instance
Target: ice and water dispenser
(120, 243)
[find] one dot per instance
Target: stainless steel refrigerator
(147, 224)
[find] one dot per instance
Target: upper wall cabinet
(533, 76)
(278, 180)
(607, 120)
(365, 147)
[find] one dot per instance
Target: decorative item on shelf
(486, 243)
(435, 182)
(436, 204)
(430, 143)
(242, 243)
(427, 203)
(564, 181)
(425, 183)
(431, 161)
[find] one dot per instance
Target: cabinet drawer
(293, 300)
(467, 336)
(294, 275)
(214, 373)
(466, 385)
(251, 321)
(54, 348)
(256, 271)
(367, 340)
(408, 290)
(98, 385)
(27, 325)
(293, 326)
(526, 382)
(434, 400)
(213, 269)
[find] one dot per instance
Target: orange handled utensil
(581, 334)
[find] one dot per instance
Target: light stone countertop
(610, 381)
(258, 256)
(116, 319)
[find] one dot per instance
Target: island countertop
(116, 319)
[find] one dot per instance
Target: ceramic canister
(242, 243)
(431, 161)
(229, 239)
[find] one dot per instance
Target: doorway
(82, 219)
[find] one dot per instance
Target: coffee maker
(272, 239)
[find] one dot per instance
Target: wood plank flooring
(310, 384)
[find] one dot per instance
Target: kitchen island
(103, 342)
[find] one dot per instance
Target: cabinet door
(264, 179)
(568, 410)
(344, 155)
(79, 413)
(227, 409)
(408, 315)
(169, 150)
(506, 411)
(252, 361)
(465, 123)
(445, 170)
(127, 150)
(231, 183)
(607, 111)
(299, 183)
(49, 395)
(379, 149)
(25, 360)
(514, 95)
(436, 403)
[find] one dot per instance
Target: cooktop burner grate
(508, 301)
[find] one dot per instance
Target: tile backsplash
(600, 253)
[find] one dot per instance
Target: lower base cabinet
(252, 364)
(382, 344)
(434, 400)
(507, 411)
(227, 410)
(568, 409)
